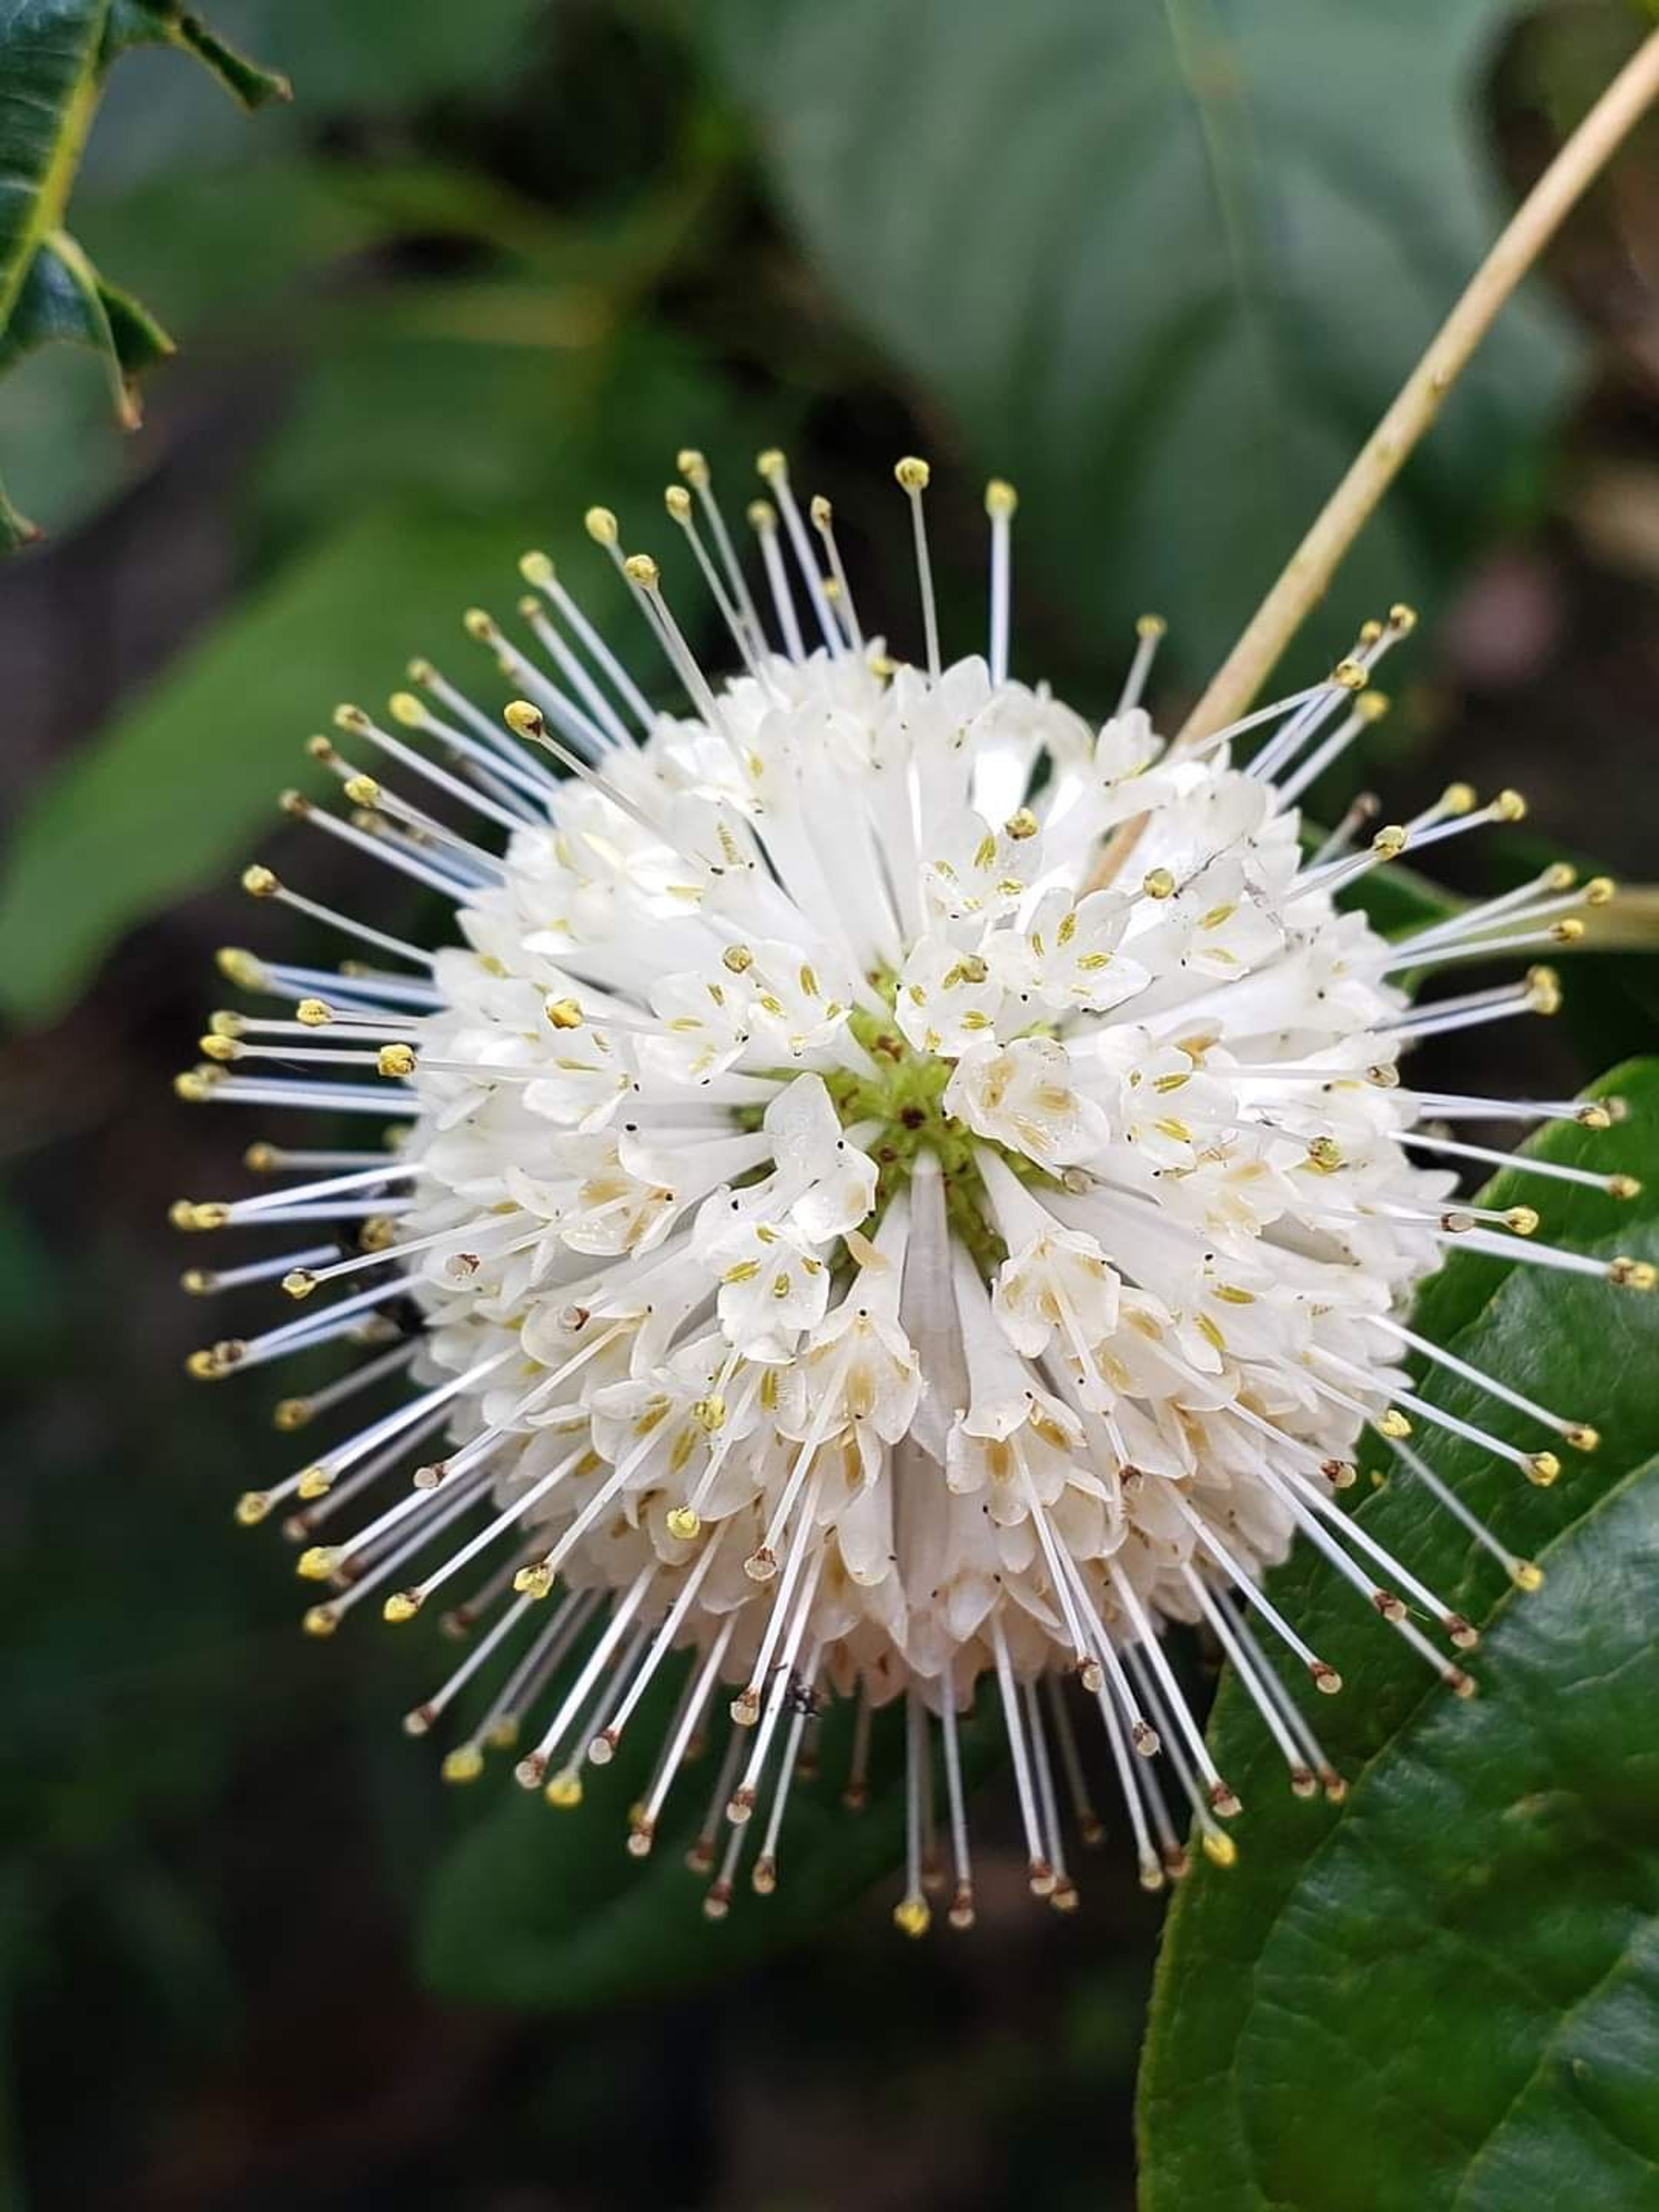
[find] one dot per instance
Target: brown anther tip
(1303, 1782)
(1223, 1801)
(1460, 1684)
(1464, 1635)
(717, 1900)
(1325, 1678)
(1144, 1739)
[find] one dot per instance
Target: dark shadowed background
(497, 261)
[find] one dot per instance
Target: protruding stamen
(911, 475)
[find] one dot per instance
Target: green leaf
(549, 1912)
(1445, 1993)
(174, 791)
(54, 56)
(165, 23)
(1165, 264)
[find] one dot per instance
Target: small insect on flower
(891, 1191)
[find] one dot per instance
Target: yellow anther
(535, 1581)
(182, 1214)
(299, 1282)
(351, 718)
(290, 1413)
(479, 625)
(1402, 619)
(1351, 675)
(564, 1791)
(1582, 1436)
(1219, 1849)
(1000, 497)
(1624, 1185)
(535, 569)
(321, 1620)
(564, 1013)
(522, 719)
(1632, 1274)
(318, 1564)
(912, 1916)
(1522, 1219)
(1568, 930)
(226, 1024)
(1150, 626)
(692, 466)
(1370, 631)
(259, 882)
(464, 1764)
(1159, 883)
(319, 749)
(251, 1508)
(315, 1013)
(1021, 823)
(762, 515)
(1457, 798)
(202, 1366)
(1325, 1154)
(396, 1061)
(1592, 1115)
(1393, 1422)
(362, 791)
(1526, 1575)
(912, 473)
(710, 1413)
(772, 465)
(1542, 1468)
(1390, 841)
(739, 958)
(1371, 706)
(316, 1482)
(1509, 806)
(195, 1085)
(404, 707)
(239, 967)
(821, 512)
(1599, 889)
(677, 500)
(401, 1605)
(683, 1524)
(640, 568)
(198, 1282)
(601, 525)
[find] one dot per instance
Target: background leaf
(1174, 258)
(227, 723)
(1443, 1992)
(550, 1911)
(54, 56)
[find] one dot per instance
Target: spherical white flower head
(904, 1190)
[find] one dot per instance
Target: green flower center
(904, 1094)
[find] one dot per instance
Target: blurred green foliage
(457, 367)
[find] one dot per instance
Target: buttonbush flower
(892, 1191)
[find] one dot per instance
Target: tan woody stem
(1308, 574)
